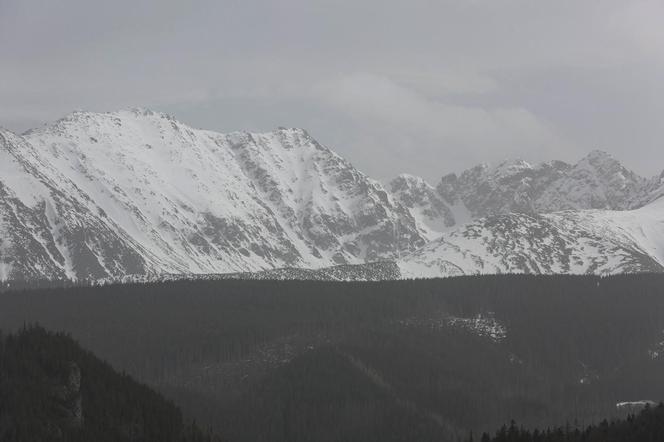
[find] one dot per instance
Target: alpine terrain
(139, 194)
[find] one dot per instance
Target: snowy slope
(577, 242)
(136, 194)
(432, 215)
(597, 181)
(194, 201)
(47, 232)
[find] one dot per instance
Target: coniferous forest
(426, 360)
(53, 390)
(646, 426)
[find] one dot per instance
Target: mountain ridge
(197, 201)
(136, 192)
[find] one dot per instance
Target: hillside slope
(316, 360)
(576, 242)
(51, 389)
(184, 200)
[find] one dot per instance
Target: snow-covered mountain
(182, 200)
(51, 229)
(596, 182)
(431, 213)
(591, 217)
(106, 195)
(575, 242)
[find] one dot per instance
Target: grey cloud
(423, 86)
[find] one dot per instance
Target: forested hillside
(52, 390)
(425, 360)
(647, 426)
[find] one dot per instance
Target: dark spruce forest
(425, 360)
(647, 425)
(53, 390)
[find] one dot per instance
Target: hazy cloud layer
(421, 86)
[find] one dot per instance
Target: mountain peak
(291, 129)
(293, 132)
(184, 200)
(407, 181)
(598, 156)
(511, 167)
(598, 153)
(145, 112)
(408, 178)
(607, 167)
(514, 162)
(82, 115)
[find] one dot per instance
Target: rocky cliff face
(107, 195)
(568, 242)
(68, 397)
(53, 390)
(137, 192)
(596, 182)
(49, 228)
(431, 213)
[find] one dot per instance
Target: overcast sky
(426, 87)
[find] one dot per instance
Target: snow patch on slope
(483, 325)
(574, 242)
(196, 202)
(137, 192)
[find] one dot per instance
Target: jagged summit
(604, 164)
(194, 201)
(510, 167)
(98, 195)
(598, 155)
(161, 127)
(407, 179)
(597, 181)
(432, 215)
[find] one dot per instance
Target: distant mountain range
(137, 193)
